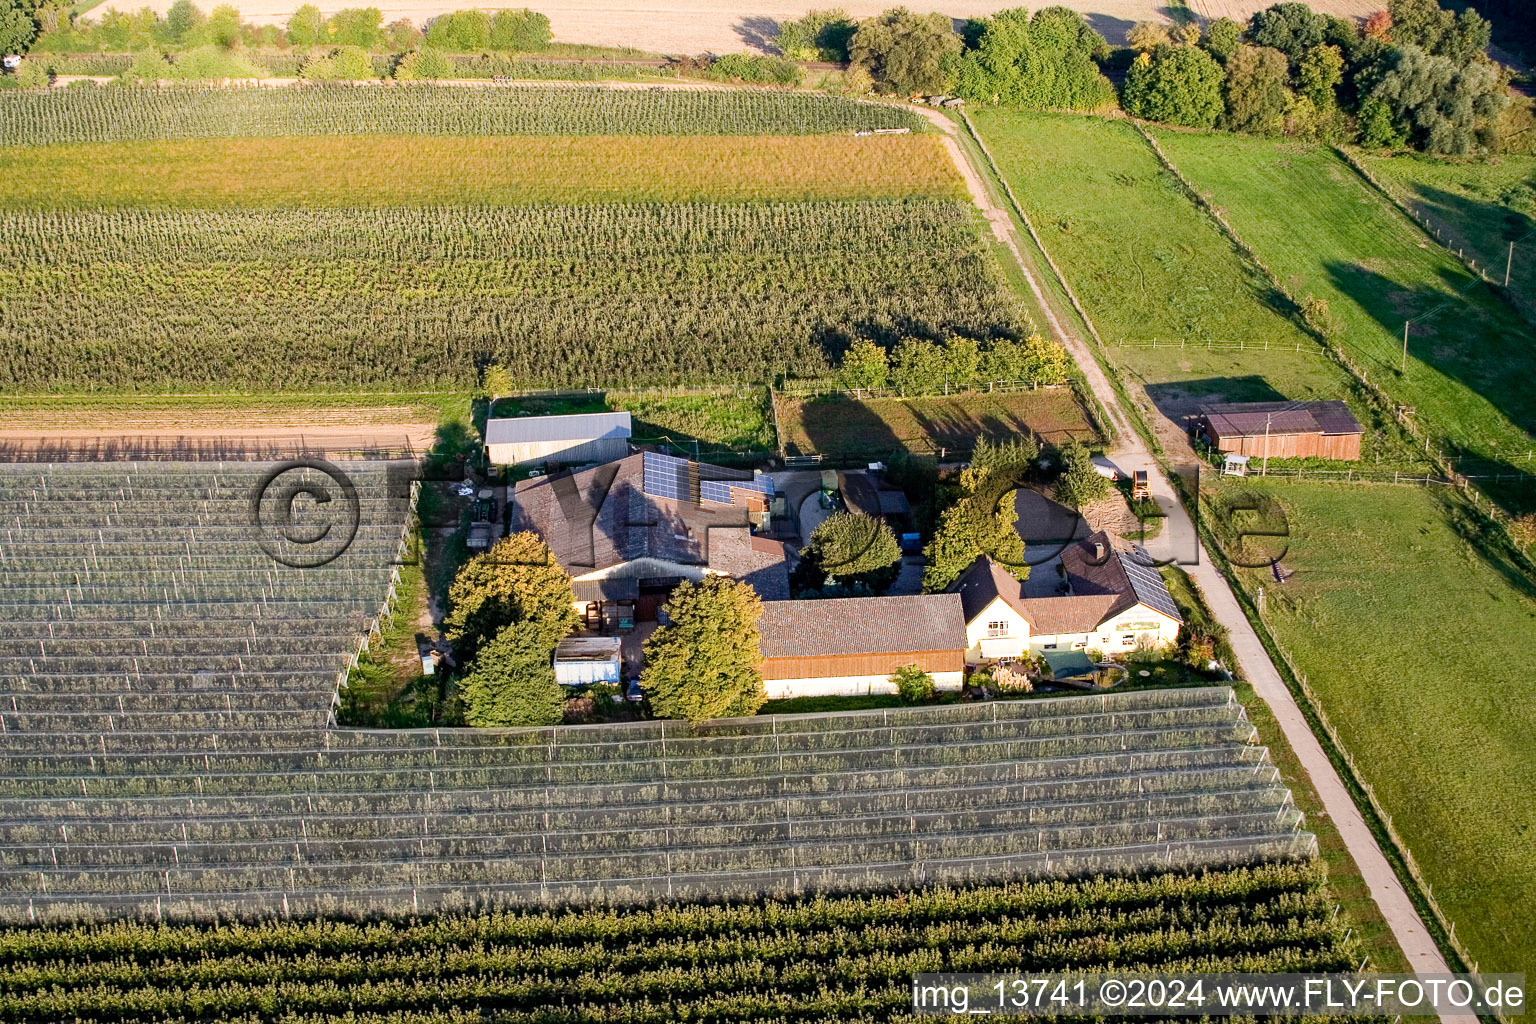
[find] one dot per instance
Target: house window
(1129, 638)
(997, 629)
(1080, 645)
(1047, 647)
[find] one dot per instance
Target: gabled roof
(576, 427)
(984, 582)
(600, 517)
(1248, 419)
(1103, 586)
(862, 625)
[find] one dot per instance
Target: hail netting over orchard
(153, 606)
(116, 115)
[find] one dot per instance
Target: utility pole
(1509, 264)
(1402, 368)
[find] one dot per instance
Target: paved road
(1179, 541)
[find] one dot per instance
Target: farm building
(570, 440)
(851, 646)
(1113, 603)
(652, 520)
(1282, 430)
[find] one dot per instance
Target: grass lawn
(735, 419)
(1422, 651)
(1329, 235)
(1480, 207)
(383, 171)
(839, 426)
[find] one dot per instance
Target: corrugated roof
(1253, 419)
(862, 625)
(588, 426)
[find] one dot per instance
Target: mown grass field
(375, 171)
(1480, 207)
(1150, 267)
(948, 425)
(1328, 234)
(1421, 647)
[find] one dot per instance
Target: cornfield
(419, 297)
(121, 114)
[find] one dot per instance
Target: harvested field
(948, 426)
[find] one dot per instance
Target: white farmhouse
(1114, 603)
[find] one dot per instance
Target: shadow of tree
(760, 33)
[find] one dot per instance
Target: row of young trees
(52, 27)
(1413, 74)
(920, 366)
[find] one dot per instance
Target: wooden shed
(851, 646)
(1282, 430)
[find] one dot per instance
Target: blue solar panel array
(1148, 586)
(667, 476)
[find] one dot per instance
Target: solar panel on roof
(665, 476)
(1148, 586)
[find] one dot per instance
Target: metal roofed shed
(1283, 430)
(570, 439)
(584, 660)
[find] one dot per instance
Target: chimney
(1099, 551)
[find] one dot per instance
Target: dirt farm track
(723, 26)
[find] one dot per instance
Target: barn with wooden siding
(851, 646)
(1283, 430)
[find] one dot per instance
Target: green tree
(820, 35)
(980, 523)
(1080, 484)
(1441, 33)
(962, 361)
(401, 35)
(184, 21)
(1319, 74)
(224, 26)
(906, 53)
(1046, 61)
(18, 25)
(865, 365)
(704, 662)
(1147, 36)
(1378, 128)
(853, 550)
(1291, 28)
(427, 64)
(918, 367)
(512, 680)
(460, 31)
(1257, 94)
(517, 580)
(495, 380)
(1177, 85)
(306, 27)
(353, 64)
(1011, 457)
(357, 26)
(1034, 359)
(1222, 38)
(1446, 106)
(913, 685)
(522, 31)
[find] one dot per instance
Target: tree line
(1411, 75)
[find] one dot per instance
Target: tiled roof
(862, 625)
(1102, 587)
(600, 517)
